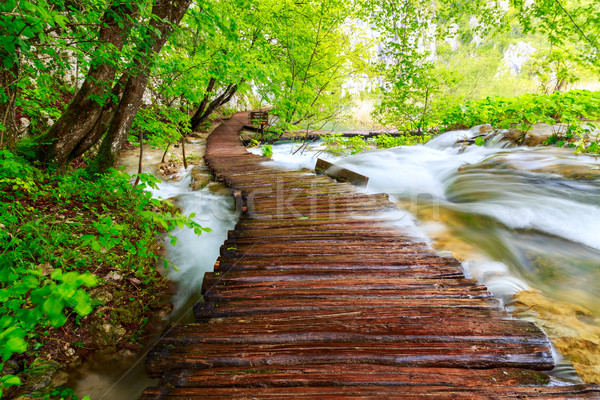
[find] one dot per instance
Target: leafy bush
(55, 232)
(575, 109)
(570, 108)
(267, 150)
(339, 145)
(387, 141)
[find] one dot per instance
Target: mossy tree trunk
(167, 14)
(100, 127)
(82, 114)
(8, 96)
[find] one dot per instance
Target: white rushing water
(515, 206)
(195, 255)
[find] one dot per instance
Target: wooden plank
(207, 310)
(340, 173)
(418, 353)
(357, 375)
(376, 392)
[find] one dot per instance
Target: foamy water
(514, 206)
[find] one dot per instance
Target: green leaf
(57, 320)
(56, 274)
(6, 321)
(10, 380)
(14, 343)
(87, 280)
(65, 291)
(83, 303)
(53, 305)
(9, 46)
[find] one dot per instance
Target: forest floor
(92, 248)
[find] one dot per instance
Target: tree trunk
(141, 160)
(196, 119)
(84, 111)
(185, 164)
(162, 161)
(103, 122)
(8, 80)
(167, 14)
(222, 99)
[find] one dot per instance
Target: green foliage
(570, 108)
(575, 110)
(267, 150)
(480, 141)
(555, 70)
(421, 74)
(29, 25)
(161, 125)
(337, 144)
(8, 381)
(315, 56)
(56, 231)
(42, 100)
(269, 135)
(386, 141)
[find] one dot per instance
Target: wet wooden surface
(319, 294)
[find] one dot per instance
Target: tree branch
(590, 41)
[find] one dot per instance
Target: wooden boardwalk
(316, 296)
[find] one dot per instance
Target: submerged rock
(218, 188)
(200, 177)
(168, 170)
(573, 329)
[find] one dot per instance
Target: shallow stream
(121, 376)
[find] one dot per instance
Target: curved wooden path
(316, 296)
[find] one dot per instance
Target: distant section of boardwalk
(316, 296)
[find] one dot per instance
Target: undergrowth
(339, 145)
(60, 234)
(576, 110)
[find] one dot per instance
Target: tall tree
(83, 112)
(166, 14)
(316, 56)
(218, 51)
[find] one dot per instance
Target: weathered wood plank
(340, 173)
(460, 354)
(208, 310)
(375, 392)
(357, 375)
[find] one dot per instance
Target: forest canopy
(79, 77)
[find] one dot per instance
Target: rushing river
(522, 220)
(515, 206)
